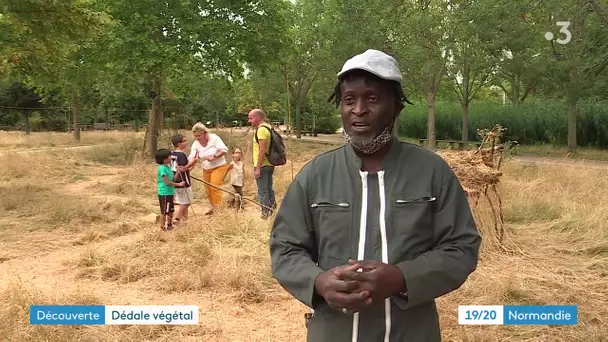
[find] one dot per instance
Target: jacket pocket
(425, 199)
(412, 223)
(332, 221)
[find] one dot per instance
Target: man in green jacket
(370, 233)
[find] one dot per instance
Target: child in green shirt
(166, 188)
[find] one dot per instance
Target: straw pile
(475, 172)
(479, 173)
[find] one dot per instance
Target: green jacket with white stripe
(332, 211)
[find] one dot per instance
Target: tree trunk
(464, 101)
(75, 114)
(68, 123)
(107, 115)
(26, 119)
(572, 124)
(155, 118)
(289, 124)
(515, 85)
(431, 135)
(298, 120)
(465, 122)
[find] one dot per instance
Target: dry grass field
(77, 227)
(47, 140)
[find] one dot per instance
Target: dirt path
(47, 149)
(21, 251)
(562, 162)
(96, 181)
(25, 240)
(43, 265)
(45, 270)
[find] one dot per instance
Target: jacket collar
(389, 159)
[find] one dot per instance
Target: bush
(528, 123)
(325, 122)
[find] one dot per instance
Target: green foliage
(472, 63)
(508, 32)
(169, 38)
(38, 35)
(419, 41)
(216, 60)
(528, 123)
(349, 29)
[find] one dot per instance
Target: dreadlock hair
(336, 95)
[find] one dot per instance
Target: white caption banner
(480, 314)
(152, 314)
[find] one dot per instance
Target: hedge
(528, 123)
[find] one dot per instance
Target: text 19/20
(480, 315)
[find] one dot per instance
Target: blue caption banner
(517, 314)
(113, 314)
(68, 314)
(540, 314)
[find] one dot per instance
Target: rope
(231, 193)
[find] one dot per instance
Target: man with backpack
(268, 152)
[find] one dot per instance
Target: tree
(349, 32)
(46, 43)
(211, 94)
(156, 39)
(19, 95)
(35, 33)
(304, 58)
(471, 64)
(77, 74)
(269, 90)
(508, 31)
(578, 55)
(320, 114)
(418, 33)
(347, 28)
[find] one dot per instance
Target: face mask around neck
(369, 146)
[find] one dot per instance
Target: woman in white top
(211, 150)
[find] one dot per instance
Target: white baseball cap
(375, 62)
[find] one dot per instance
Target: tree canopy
(172, 63)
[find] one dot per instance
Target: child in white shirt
(236, 178)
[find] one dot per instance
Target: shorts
(166, 204)
(183, 195)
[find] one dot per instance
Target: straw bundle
(479, 173)
(473, 169)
